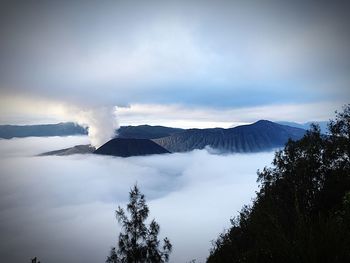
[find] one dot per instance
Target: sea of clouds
(61, 208)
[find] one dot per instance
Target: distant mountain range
(45, 130)
(136, 132)
(69, 128)
(262, 135)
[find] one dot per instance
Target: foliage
(35, 260)
(137, 242)
(302, 210)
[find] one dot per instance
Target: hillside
(259, 136)
(78, 149)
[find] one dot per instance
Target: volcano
(126, 147)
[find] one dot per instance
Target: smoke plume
(100, 122)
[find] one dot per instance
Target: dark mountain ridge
(44, 130)
(70, 128)
(259, 136)
(146, 132)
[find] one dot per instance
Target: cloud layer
(62, 208)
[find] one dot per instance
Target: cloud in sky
(205, 117)
(212, 54)
(61, 209)
(26, 111)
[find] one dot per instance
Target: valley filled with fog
(61, 208)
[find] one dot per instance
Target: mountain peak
(125, 147)
(263, 122)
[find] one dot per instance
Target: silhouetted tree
(35, 260)
(137, 242)
(302, 210)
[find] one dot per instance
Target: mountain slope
(59, 129)
(259, 136)
(146, 132)
(78, 149)
(130, 147)
(306, 125)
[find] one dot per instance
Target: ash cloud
(61, 209)
(101, 123)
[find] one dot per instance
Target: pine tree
(35, 260)
(137, 242)
(302, 211)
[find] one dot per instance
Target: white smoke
(100, 122)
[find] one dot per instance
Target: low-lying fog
(61, 209)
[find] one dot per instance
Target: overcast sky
(274, 58)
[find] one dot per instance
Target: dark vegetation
(302, 210)
(138, 243)
(35, 260)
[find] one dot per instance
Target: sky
(62, 208)
(176, 63)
